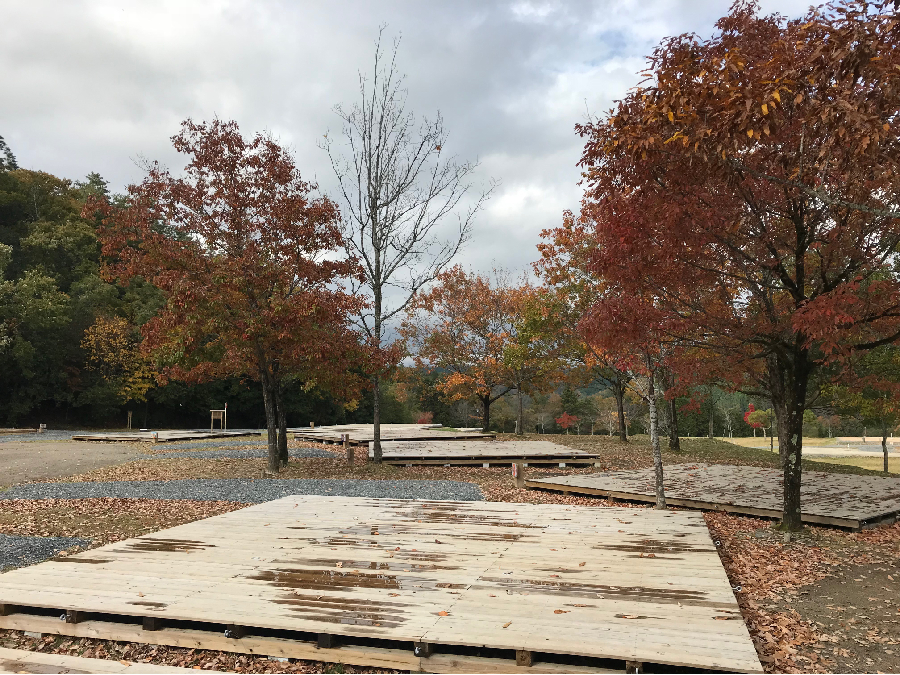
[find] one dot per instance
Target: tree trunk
(789, 378)
(674, 440)
(283, 456)
(619, 394)
(712, 412)
(271, 420)
(486, 415)
(654, 440)
(521, 423)
(884, 450)
(376, 418)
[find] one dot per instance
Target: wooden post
(524, 658)
(236, 631)
(634, 666)
(518, 473)
(422, 649)
(129, 420)
(348, 449)
(312, 425)
(6, 610)
(74, 616)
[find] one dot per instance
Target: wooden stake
(518, 472)
(523, 658)
(634, 667)
(422, 649)
(6, 610)
(74, 616)
(349, 450)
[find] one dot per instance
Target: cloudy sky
(95, 85)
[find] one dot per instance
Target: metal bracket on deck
(235, 631)
(74, 616)
(524, 658)
(326, 641)
(422, 649)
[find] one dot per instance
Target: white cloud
(91, 85)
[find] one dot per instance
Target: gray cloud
(93, 85)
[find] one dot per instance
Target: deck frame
(593, 485)
(288, 578)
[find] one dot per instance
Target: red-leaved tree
(245, 253)
(750, 187)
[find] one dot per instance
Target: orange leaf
(561, 611)
(443, 613)
(671, 116)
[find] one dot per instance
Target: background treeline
(52, 297)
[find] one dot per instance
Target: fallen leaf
(506, 625)
(443, 613)
(582, 564)
(140, 595)
(338, 564)
(630, 616)
(125, 663)
(438, 541)
(561, 611)
(394, 595)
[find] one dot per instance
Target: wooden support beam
(6, 610)
(74, 616)
(422, 649)
(326, 641)
(151, 623)
(634, 667)
(524, 658)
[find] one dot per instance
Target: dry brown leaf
(507, 624)
(582, 564)
(561, 611)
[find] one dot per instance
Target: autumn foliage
(245, 253)
(748, 190)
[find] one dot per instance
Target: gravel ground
(237, 454)
(21, 551)
(46, 436)
(248, 490)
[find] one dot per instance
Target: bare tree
(397, 187)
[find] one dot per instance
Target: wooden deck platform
(485, 453)
(363, 434)
(161, 436)
(844, 500)
(415, 585)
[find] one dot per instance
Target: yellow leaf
(750, 133)
(671, 116)
(776, 96)
(886, 127)
(798, 98)
(765, 109)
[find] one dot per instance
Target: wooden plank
(481, 451)
(520, 577)
(161, 436)
(283, 648)
(843, 500)
(24, 661)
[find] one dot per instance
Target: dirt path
(25, 461)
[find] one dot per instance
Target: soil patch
(27, 461)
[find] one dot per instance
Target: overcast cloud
(93, 86)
